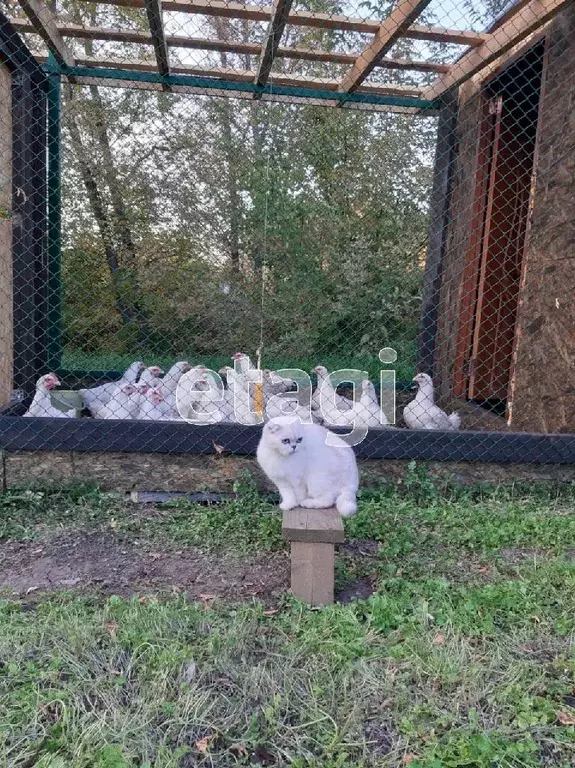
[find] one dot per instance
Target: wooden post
(6, 317)
(312, 533)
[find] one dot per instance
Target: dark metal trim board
(84, 435)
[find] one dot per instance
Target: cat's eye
(299, 439)
(285, 441)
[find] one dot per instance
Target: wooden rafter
(235, 10)
(245, 76)
(518, 26)
(44, 24)
(225, 46)
(281, 10)
(392, 28)
(156, 24)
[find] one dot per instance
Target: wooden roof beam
(45, 25)
(156, 24)
(236, 10)
(281, 10)
(225, 46)
(392, 28)
(526, 20)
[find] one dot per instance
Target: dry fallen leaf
(31, 589)
(202, 745)
(220, 450)
(112, 628)
(271, 612)
(240, 749)
(438, 639)
(408, 759)
(566, 718)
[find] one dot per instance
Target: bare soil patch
(118, 564)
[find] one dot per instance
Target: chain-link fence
(376, 232)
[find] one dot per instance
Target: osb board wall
(543, 384)
(5, 235)
(124, 472)
(458, 236)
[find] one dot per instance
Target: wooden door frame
(495, 107)
(470, 279)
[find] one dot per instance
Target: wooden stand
(312, 533)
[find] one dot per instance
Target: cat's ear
(272, 427)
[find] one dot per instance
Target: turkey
(42, 403)
(367, 410)
(174, 374)
(213, 404)
(152, 404)
(326, 400)
(241, 396)
(422, 413)
(150, 376)
(286, 405)
(124, 404)
(187, 391)
(274, 384)
(94, 397)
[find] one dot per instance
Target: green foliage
(324, 212)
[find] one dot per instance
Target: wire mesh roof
(405, 54)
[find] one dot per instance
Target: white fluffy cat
(308, 470)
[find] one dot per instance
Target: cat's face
(284, 435)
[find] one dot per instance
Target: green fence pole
(54, 211)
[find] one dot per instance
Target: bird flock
(194, 394)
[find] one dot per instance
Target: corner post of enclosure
(439, 211)
(54, 229)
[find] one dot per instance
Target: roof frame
(225, 46)
(520, 21)
(156, 24)
(281, 11)
(390, 30)
(236, 10)
(45, 25)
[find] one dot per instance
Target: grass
(463, 657)
(111, 361)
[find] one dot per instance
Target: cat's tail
(345, 503)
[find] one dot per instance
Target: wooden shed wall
(543, 384)
(6, 315)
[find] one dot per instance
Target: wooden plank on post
(281, 10)
(393, 27)
(156, 24)
(526, 20)
(45, 25)
(313, 525)
(312, 533)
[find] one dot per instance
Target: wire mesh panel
(179, 267)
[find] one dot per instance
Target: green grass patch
(463, 657)
(111, 361)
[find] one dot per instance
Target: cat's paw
(313, 504)
(287, 505)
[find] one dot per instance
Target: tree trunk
(99, 211)
(222, 30)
